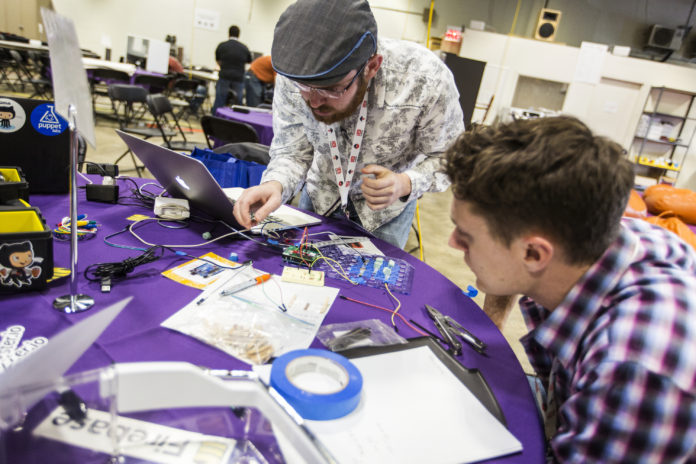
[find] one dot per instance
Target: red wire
(388, 310)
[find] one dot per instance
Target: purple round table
(136, 335)
(260, 120)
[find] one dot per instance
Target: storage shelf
(643, 161)
(663, 107)
(664, 115)
(662, 142)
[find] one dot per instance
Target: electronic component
(102, 193)
(103, 169)
(300, 255)
(206, 270)
(303, 276)
(369, 270)
(171, 208)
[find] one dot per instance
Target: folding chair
(247, 151)
(101, 78)
(21, 71)
(186, 97)
(154, 84)
(41, 81)
(161, 109)
(220, 131)
(125, 99)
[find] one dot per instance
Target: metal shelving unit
(664, 133)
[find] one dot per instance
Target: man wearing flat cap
(360, 122)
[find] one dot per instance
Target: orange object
(663, 198)
(263, 69)
(262, 278)
(672, 223)
(636, 207)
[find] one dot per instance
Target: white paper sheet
(413, 409)
(70, 86)
(590, 62)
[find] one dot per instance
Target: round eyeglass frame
(326, 93)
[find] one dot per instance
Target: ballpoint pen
(249, 283)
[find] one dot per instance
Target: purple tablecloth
(136, 335)
(259, 120)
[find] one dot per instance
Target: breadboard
(303, 276)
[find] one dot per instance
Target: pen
(249, 283)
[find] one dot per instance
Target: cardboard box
(26, 250)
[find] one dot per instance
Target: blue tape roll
(344, 382)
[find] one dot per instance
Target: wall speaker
(665, 37)
(547, 24)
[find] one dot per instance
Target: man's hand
(257, 202)
(385, 188)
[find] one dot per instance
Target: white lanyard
(343, 180)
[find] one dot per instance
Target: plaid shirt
(620, 353)
(413, 114)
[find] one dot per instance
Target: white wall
(509, 57)
(113, 20)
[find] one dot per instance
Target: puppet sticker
(16, 264)
(12, 116)
(46, 121)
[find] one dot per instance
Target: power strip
(171, 208)
(102, 193)
(303, 276)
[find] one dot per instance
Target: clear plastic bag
(370, 332)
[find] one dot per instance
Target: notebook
(186, 177)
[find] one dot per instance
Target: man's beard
(354, 104)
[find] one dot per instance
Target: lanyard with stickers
(344, 180)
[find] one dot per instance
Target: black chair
(188, 96)
(227, 130)
(247, 151)
(101, 78)
(41, 80)
(155, 84)
(128, 103)
(163, 113)
(19, 65)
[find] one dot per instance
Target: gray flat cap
(320, 41)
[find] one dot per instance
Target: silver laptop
(186, 177)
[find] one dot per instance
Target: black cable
(99, 272)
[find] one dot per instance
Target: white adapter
(171, 208)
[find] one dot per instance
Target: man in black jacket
(231, 56)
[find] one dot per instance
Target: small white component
(171, 208)
(303, 276)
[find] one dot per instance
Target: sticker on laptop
(46, 121)
(12, 116)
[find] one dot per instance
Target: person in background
(259, 75)
(360, 122)
(175, 66)
(610, 302)
(231, 55)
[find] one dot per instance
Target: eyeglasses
(329, 93)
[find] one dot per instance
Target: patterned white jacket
(413, 115)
